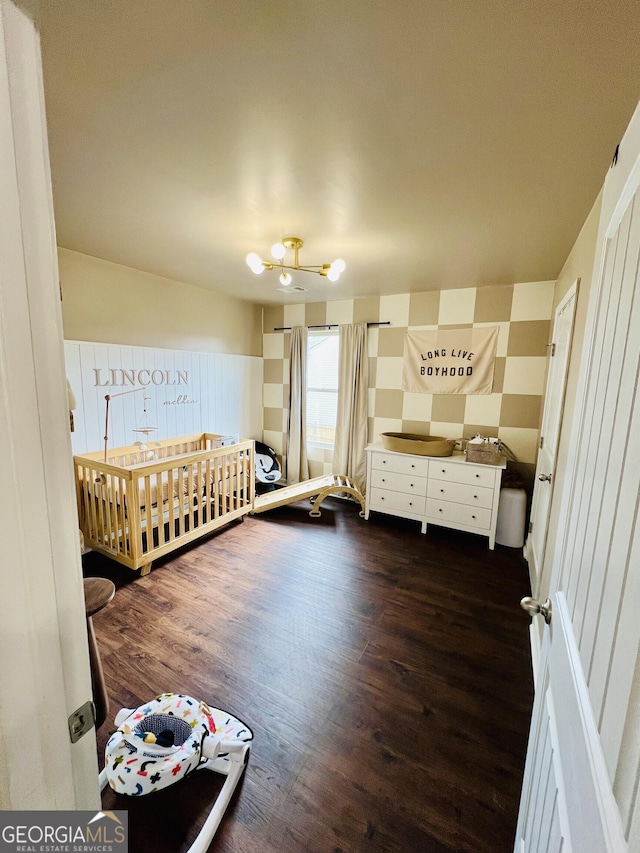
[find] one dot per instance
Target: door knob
(534, 607)
(544, 478)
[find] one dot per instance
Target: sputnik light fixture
(279, 254)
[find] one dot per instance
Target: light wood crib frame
(134, 508)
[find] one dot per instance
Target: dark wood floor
(385, 674)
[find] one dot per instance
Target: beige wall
(578, 266)
(110, 303)
(511, 412)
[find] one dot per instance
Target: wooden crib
(144, 503)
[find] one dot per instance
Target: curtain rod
(330, 326)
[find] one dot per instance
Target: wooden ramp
(318, 487)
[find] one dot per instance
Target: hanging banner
(450, 361)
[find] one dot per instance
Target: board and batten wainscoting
(183, 393)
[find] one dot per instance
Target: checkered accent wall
(512, 411)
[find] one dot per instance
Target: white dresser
(448, 490)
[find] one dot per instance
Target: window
(322, 387)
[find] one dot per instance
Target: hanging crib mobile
(165, 740)
(144, 429)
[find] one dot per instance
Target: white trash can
(512, 510)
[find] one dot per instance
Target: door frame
(536, 570)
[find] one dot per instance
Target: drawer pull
(411, 484)
(440, 510)
(477, 475)
(384, 461)
(473, 516)
(444, 471)
(382, 498)
(412, 465)
(383, 480)
(442, 491)
(475, 497)
(410, 504)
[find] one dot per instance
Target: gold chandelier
(279, 252)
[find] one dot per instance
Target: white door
(583, 759)
(44, 659)
(550, 433)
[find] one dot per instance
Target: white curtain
(297, 464)
(351, 422)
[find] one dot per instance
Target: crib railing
(135, 508)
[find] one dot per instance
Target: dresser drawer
(390, 481)
(399, 464)
(382, 500)
(442, 512)
(464, 472)
(460, 493)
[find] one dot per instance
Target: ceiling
(429, 143)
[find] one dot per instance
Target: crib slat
(208, 490)
(141, 493)
(160, 504)
(107, 510)
(246, 484)
(172, 501)
(190, 497)
(148, 506)
(89, 503)
(202, 494)
(115, 497)
(215, 488)
(82, 506)
(231, 478)
(122, 518)
(118, 528)
(181, 493)
(252, 476)
(104, 490)
(117, 533)
(108, 504)
(227, 475)
(99, 508)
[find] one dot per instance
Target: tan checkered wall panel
(512, 411)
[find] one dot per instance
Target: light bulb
(285, 278)
(278, 251)
(257, 267)
(254, 263)
(333, 275)
(338, 265)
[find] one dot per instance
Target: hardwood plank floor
(386, 676)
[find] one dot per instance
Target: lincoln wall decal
(186, 392)
(450, 361)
